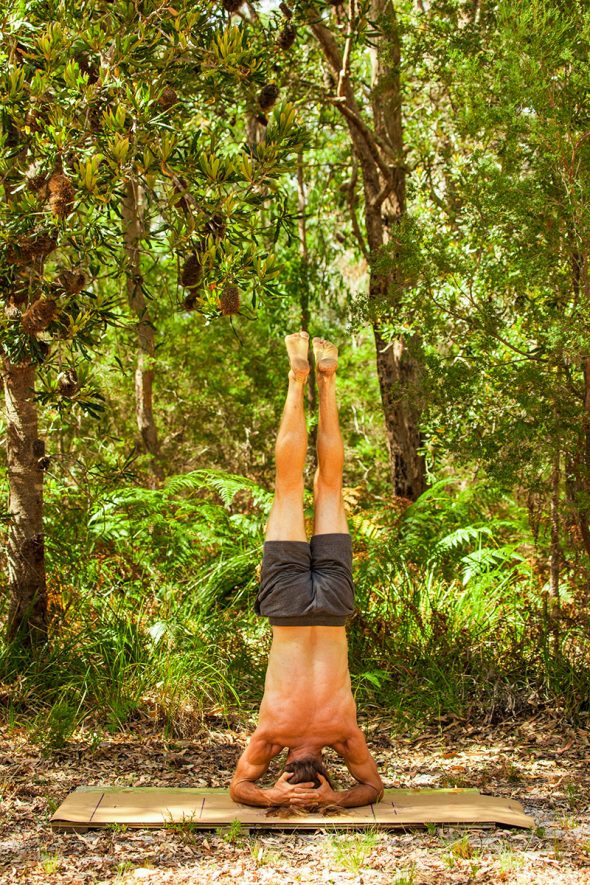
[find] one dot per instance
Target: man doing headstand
(307, 593)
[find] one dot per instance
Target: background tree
(472, 600)
(352, 38)
(501, 177)
(78, 133)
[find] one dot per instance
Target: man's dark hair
(307, 769)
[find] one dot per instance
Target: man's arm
(252, 764)
(362, 767)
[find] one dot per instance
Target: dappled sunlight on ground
(540, 762)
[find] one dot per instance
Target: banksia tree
(85, 145)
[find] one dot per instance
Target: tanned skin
(307, 703)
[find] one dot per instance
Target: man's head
(306, 769)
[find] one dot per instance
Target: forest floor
(540, 762)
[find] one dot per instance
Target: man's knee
(289, 488)
(327, 483)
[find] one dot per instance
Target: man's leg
(286, 521)
(329, 516)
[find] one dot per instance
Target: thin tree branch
(382, 195)
(367, 134)
(345, 69)
(351, 194)
(347, 103)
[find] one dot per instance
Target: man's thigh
(329, 513)
(286, 521)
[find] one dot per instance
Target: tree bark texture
(379, 151)
(27, 614)
(555, 557)
(133, 212)
(304, 298)
(578, 468)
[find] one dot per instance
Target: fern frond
(462, 536)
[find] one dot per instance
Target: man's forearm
(360, 794)
(248, 793)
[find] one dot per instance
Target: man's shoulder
(352, 744)
(263, 740)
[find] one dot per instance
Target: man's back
(307, 690)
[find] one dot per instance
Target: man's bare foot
(297, 347)
(326, 356)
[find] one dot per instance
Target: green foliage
(151, 588)
(174, 532)
(433, 634)
(437, 608)
(142, 97)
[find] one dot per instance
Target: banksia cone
(44, 349)
(37, 183)
(67, 382)
(229, 302)
(190, 302)
(20, 252)
(231, 5)
(286, 37)
(61, 194)
(216, 225)
(38, 316)
(268, 96)
(191, 272)
(20, 291)
(168, 98)
(87, 67)
(37, 244)
(42, 244)
(72, 281)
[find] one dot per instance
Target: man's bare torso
(307, 696)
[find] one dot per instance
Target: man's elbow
(378, 787)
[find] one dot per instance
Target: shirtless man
(307, 593)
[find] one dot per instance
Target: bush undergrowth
(152, 619)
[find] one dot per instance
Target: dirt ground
(540, 762)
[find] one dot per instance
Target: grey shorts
(305, 584)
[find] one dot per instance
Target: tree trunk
(578, 468)
(27, 614)
(380, 155)
(398, 368)
(304, 299)
(555, 556)
(399, 374)
(133, 231)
